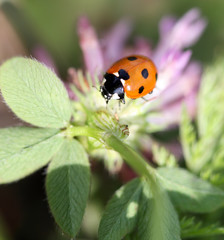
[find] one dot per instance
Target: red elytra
(133, 75)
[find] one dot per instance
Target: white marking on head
(122, 81)
(104, 80)
(116, 74)
(115, 96)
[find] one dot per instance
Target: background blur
(25, 24)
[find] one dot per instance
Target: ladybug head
(112, 88)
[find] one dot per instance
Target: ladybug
(134, 76)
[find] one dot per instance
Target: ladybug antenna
(95, 87)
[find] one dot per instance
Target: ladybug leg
(146, 98)
(122, 100)
(119, 104)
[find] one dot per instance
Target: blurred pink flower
(92, 52)
(178, 78)
(179, 34)
(42, 55)
(183, 89)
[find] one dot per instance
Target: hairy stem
(132, 158)
(74, 131)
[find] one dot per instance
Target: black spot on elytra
(156, 76)
(140, 90)
(145, 73)
(132, 58)
(123, 74)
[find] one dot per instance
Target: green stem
(132, 158)
(73, 131)
(140, 166)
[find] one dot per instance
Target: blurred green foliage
(203, 144)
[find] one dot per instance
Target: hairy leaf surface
(121, 212)
(190, 193)
(24, 150)
(34, 93)
(68, 182)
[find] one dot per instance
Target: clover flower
(178, 78)
(177, 84)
